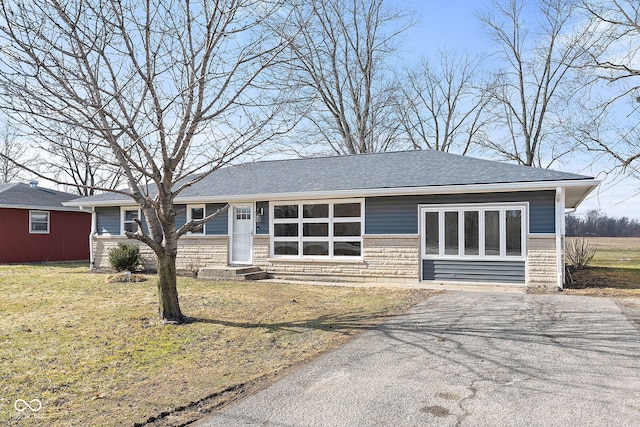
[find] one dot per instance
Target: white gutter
(367, 192)
(67, 208)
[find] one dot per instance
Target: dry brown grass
(94, 354)
(616, 243)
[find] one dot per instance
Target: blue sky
(452, 24)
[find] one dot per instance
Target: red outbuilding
(36, 227)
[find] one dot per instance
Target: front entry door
(241, 234)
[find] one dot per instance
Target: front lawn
(93, 353)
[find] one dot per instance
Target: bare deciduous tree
(539, 44)
(443, 106)
(12, 148)
(76, 157)
(340, 63)
(613, 127)
(173, 88)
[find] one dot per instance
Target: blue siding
(219, 226)
(108, 220)
(542, 213)
(262, 227)
(181, 215)
(474, 271)
(399, 214)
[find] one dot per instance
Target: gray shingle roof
(426, 168)
(20, 195)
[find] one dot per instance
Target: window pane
(346, 229)
(347, 249)
(344, 210)
(285, 211)
(39, 216)
(315, 248)
(315, 229)
(492, 233)
(197, 213)
(514, 232)
(288, 230)
(471, 233)
(451, 233)
(432, 233)
(39, 221)
(131, 227)
(130, 215)
(285, 248)
(315, 211)
(243, 213)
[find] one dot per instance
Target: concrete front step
(232, 273)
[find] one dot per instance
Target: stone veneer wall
(193, 252)
(386, 258)
(542, 262)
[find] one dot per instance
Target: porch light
(259, 215)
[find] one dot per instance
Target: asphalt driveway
(469, 359)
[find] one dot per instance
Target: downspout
(560, 232)
(91, 233)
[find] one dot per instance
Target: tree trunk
(167, 289)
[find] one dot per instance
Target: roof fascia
(369, 192)
(400, 191)
(42, 208)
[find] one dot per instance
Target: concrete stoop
(232, 273)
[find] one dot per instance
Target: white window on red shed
(39, 222)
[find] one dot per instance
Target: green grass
(617, 259)
(94, 353)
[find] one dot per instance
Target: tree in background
(13, 153)
(613, 126)
(597, 224)
(76, 157)
(537, 52)
(443, 105)
(169, 90)
(341, 70)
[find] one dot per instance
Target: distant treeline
(598, 224)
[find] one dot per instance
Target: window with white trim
(39, 222)
(128, 218)
(474, 231)
(330, 229)
(196, 212)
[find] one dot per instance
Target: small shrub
(126, 256)
(579, 252)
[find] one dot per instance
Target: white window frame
(330, 220)
(481, 208)
(31, 230)
(203, 230)
(123, 210)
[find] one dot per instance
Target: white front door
(241, 234)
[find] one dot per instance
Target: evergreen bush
(126, 256)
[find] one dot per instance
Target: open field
(93, 353)
(614, 271)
